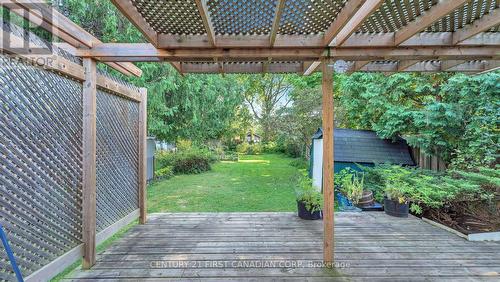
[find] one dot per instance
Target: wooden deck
(279, 246)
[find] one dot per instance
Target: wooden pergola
(292, 36)
(299, 36)
(295, 36)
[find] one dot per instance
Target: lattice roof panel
(255, 17)
(467, 14)
(171, 16)
(309, 16)
(242, 17)
(395, 14)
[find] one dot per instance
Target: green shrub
(242, 148)
(217, 152)
(293, 150)
(271, 148)
(191, 165)
(190, 160)
(305, 192)
(164, 159)
(425, 189)
(254, 149)
(164, 173)
(183, 144)
(299, 163)
(249, 149)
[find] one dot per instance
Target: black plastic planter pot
(396, 209)
(305, 214)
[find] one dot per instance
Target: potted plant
(309, 200)
(352, 187)
(395, 201)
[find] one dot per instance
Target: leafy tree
(299, 121)
(265, 95)
(197, 107)
(204, 107)
(240, 125)
(454, 117)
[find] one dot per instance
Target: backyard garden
(240, 135)
(247, 184)
(451, 117)
(250, 140)
(201, 180)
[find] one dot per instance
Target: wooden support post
(142, 155)
(89, 163)
(328, 151)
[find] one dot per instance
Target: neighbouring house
(357, 147)
(252, 138)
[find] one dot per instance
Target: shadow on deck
(279, 246)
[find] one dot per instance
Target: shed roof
(364, 146)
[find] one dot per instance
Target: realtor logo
(19, 20)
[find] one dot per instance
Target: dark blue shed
(361, 147)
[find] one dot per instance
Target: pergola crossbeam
(405, 64)
(472, 66)
(378, 67)
(434, 66)
(57, 24)
(130, 11)
(347, 12)
(438, 11)
(360, 64)
(147, 52)
(428, 66)
(446, 65)
(486, 22)
(276, 21)
(361, 40)
(490, 66)
(429, 39)
(356, 21)
(253, 67)
(207, 22)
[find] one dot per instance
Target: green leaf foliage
(452, 116)
(426, 189)
(305, 192)
(195, 107)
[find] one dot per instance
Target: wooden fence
(426, 161)
(72, 152)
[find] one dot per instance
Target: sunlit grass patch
(254, 183)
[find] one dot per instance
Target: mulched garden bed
(468, 217)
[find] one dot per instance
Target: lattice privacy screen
(41, 163)
(117, 155)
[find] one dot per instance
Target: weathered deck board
(216, 247)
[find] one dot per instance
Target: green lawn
(255, 183)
